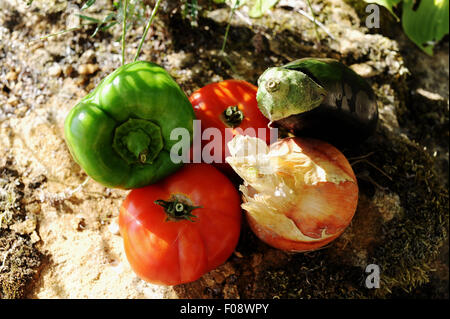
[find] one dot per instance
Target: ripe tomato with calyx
(182, 227)
(229, 104)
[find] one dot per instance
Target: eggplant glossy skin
(346, 115)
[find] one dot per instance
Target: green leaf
(87, 4)
(232, 3)
(388, 4)
(89, 18)
(260, 7)
(108, 18)
(108, 26)
(426, 25)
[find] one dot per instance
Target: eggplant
(319, 98)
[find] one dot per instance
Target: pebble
(34, 208)
(34, 237)
(79, 223)
(26, 227)
(180, 60)
(20, 112)
(13, 100)
(11, 76)
(68, 69)
(114, 228)
(89, 68)
(429, 95)
(55, 70)
(87, 57)
(363, 69)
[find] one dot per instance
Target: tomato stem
(232, 116)
(177, 209)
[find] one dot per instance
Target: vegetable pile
(182, 220)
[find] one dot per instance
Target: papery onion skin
(335, 227)
(321, 205)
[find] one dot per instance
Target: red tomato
(168, 238)
(211, 104)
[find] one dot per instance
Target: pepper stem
(177, 209)
(232, 116)
(137, 143)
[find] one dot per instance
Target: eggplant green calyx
(232, 116)
(138, 141)
(272, 85)
(177, 209)
(283, 92)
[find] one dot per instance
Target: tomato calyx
(177, 208)
(232, 116)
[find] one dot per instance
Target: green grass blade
(124, 29)
(87, 4)
(147, 27)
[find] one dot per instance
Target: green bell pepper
(120, 132)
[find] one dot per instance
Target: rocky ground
(58, 230)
